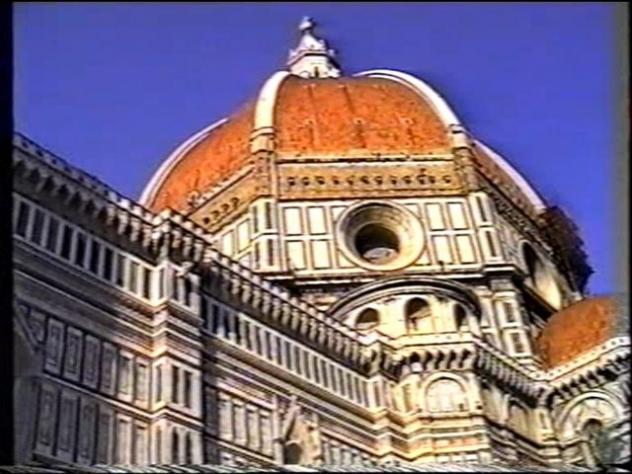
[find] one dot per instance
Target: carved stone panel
(72, 361)
(67, 425)
(54, 346)
(47, 418)
(108, 368)
(91, 355)
(87, 431)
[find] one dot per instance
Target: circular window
(380, 236)
(377, 244)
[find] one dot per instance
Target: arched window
(407, 395)
(158, 445)
(487, 397)
(417, 312)
(444, 396)
(367, 319)
(188, 451)
(518, 418)
(460, 317)
(175, 446)
(593, 430)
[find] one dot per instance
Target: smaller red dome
(577, 329)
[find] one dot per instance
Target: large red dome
(312, 117)
(310, 112)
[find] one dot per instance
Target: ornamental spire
(312, 57)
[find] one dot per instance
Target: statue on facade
(300, 437)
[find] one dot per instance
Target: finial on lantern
(312, 57)
(306, 24)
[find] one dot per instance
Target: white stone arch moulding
(519, 180)
(507, 400)
(438, 103)
(598, 394)
(424, 384)
(266, 101)
(159, 176)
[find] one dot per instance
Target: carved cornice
(427, 359)
(505, 371)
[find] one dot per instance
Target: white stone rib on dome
(523, 184)
(167, 165)
(445, 112)
(264, 110)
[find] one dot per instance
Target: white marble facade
(130, 358)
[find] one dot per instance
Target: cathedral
(337, 273)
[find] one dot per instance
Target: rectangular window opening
(133, 276)
(66, 242)
(120, 270)
(108, 259)
(51, 238)
(24, 211)
(38, 227)
(267, 207)
(175, 384)
(95, 253)
(80, 249)
(188, 383)
(146, 282)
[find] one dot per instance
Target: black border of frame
(6, 268)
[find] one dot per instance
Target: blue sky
(115, 87)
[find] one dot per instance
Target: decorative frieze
(377, 180)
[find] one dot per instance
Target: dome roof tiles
(360, 114)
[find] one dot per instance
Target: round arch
(428, 383)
